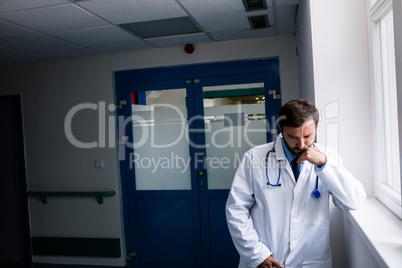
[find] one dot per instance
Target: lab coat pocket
(317, 209)
(318, 264)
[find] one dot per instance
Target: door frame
(229, 68)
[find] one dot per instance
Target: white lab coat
(287, 221)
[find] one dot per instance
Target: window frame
(383, 192)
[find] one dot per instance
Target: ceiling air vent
(259, 22)
(254, 5)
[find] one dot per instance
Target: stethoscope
(315, 193)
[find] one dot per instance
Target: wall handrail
(98, 194)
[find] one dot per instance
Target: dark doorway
(14, 227)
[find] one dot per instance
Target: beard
(295, 150)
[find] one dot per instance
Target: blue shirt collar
(288, 154)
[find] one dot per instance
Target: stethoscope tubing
(279, 175)
(315, 193)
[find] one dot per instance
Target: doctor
(278, 215)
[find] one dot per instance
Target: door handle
(201, 174)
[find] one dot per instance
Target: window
(384, 86)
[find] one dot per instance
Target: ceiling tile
(243, 34)
(55, 19)
(179, 40)
(287, 2)
(44, 29)
(270, 13)
(96, 36)
(224, 22)
(286, 15)
(269, 3)
(105, 39)
(8, 56)
(121, 46)
(196, 7)
(127, 11)
(286, 30)
(14, 5)
(8, 29)
(46, 46)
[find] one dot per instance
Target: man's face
(298, 138)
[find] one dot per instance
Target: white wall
(50, 89)
(334, 73)
(342, 76)
(341, 89)
(358, 255)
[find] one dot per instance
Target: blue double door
(182, 142)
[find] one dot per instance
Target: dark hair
(296, 112)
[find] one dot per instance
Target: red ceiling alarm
(189, 48)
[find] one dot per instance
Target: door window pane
(235, 120)
(161, 157)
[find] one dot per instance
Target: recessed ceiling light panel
(160, 28)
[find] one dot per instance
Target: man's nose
(300, 143)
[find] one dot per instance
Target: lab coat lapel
(281, 158)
